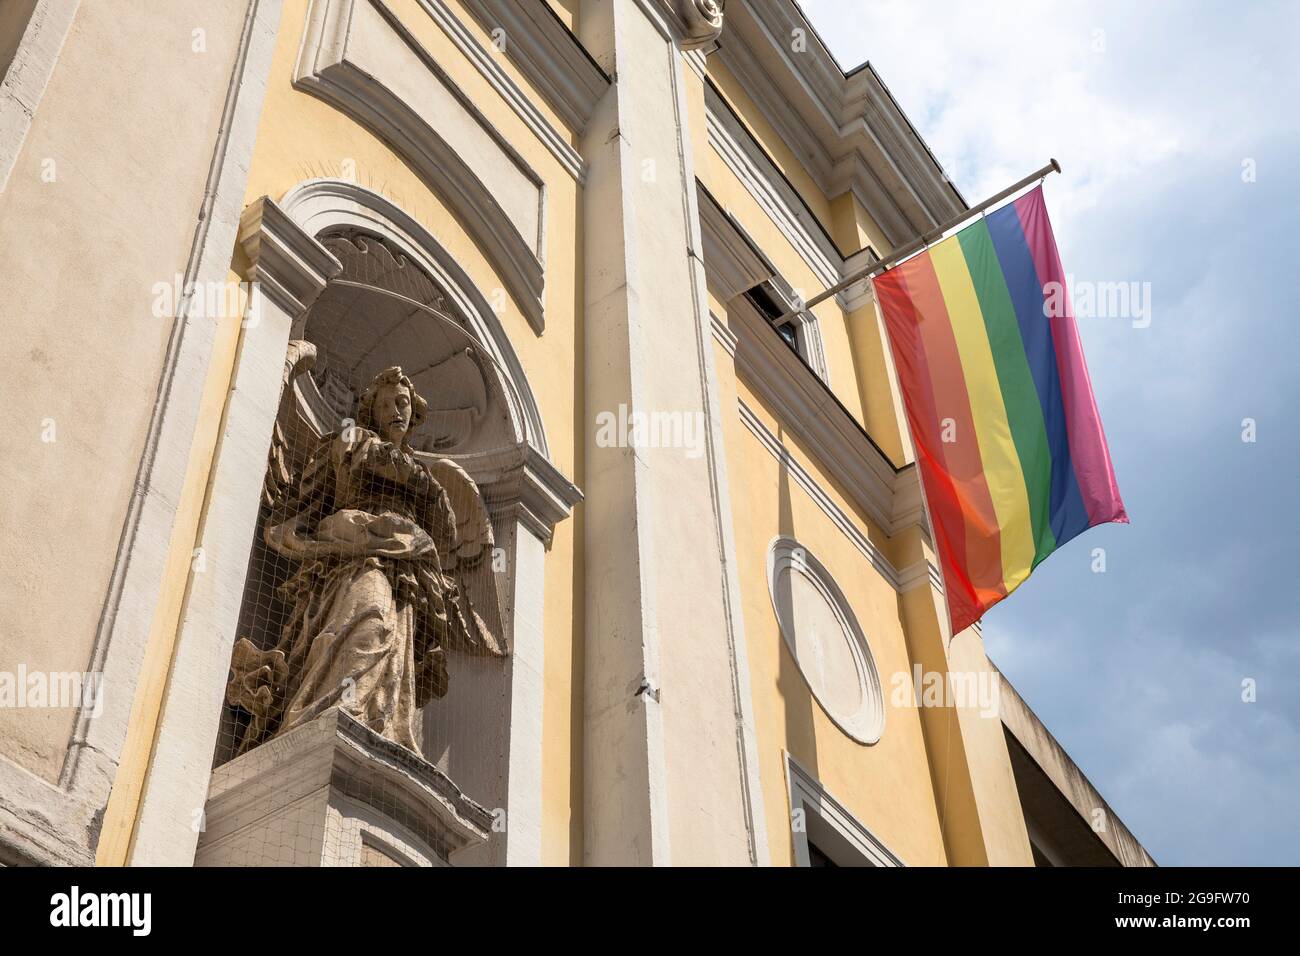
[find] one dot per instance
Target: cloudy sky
(1176, 125)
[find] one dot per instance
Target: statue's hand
(420, 480)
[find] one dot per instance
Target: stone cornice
(529, 487)
(289, 266)
(731, 261)
(547, 54)
(803, 403)
(890, 495)
(757, 172)
(846, 128)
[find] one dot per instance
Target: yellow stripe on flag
(1002, 471)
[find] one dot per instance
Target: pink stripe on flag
(1088, 450)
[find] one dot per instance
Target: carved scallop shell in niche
(825, 640)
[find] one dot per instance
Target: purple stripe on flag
(1088, 451)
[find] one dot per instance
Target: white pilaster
(289, 269)
(670, 764)
(494, 703)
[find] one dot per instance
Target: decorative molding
(807, 329)
(23, 84)
(337, 63)
(846, 128)
(864, 722)
(551, 57)
(523, 476)
(802, 402)
(702, 20)
(755, 170)
(915, 575)
(732, 262)
(812, 148)
(535, 493)
(698, 61)
(289, 265)
(724, 335)
(319, 204)
(861, 294)
(806, 792)
(735, 265)
(692, 26)
(486, 63)
(903, 580)
(909, 505)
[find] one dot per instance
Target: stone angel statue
(394, 568)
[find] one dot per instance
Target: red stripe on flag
(940, 371)
(913, 371)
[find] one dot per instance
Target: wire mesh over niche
(366, 714)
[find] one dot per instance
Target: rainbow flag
(1012, 455)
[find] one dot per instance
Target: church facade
(416, 454)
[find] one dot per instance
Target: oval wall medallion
(823, 636)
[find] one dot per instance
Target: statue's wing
(470, 560)
(281, 475)
(297, 484)
(473, 526)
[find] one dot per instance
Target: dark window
(817, 858)
(761, 297)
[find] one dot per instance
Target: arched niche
(323, 207)
(347, 280)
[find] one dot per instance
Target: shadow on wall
(800, 734)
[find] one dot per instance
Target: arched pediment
(402, 298)
(359, 57)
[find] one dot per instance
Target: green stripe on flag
(1024, 413)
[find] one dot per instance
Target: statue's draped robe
(373, 610)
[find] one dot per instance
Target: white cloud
(999, 87)
(1138, 671)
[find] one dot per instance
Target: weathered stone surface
(333, 793)
(390, 551)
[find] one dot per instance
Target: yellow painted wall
(886, 785)
(302, 137)
(891, 786)
(937, 787)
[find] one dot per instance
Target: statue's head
(391, 407)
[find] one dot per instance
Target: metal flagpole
(916, 244)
